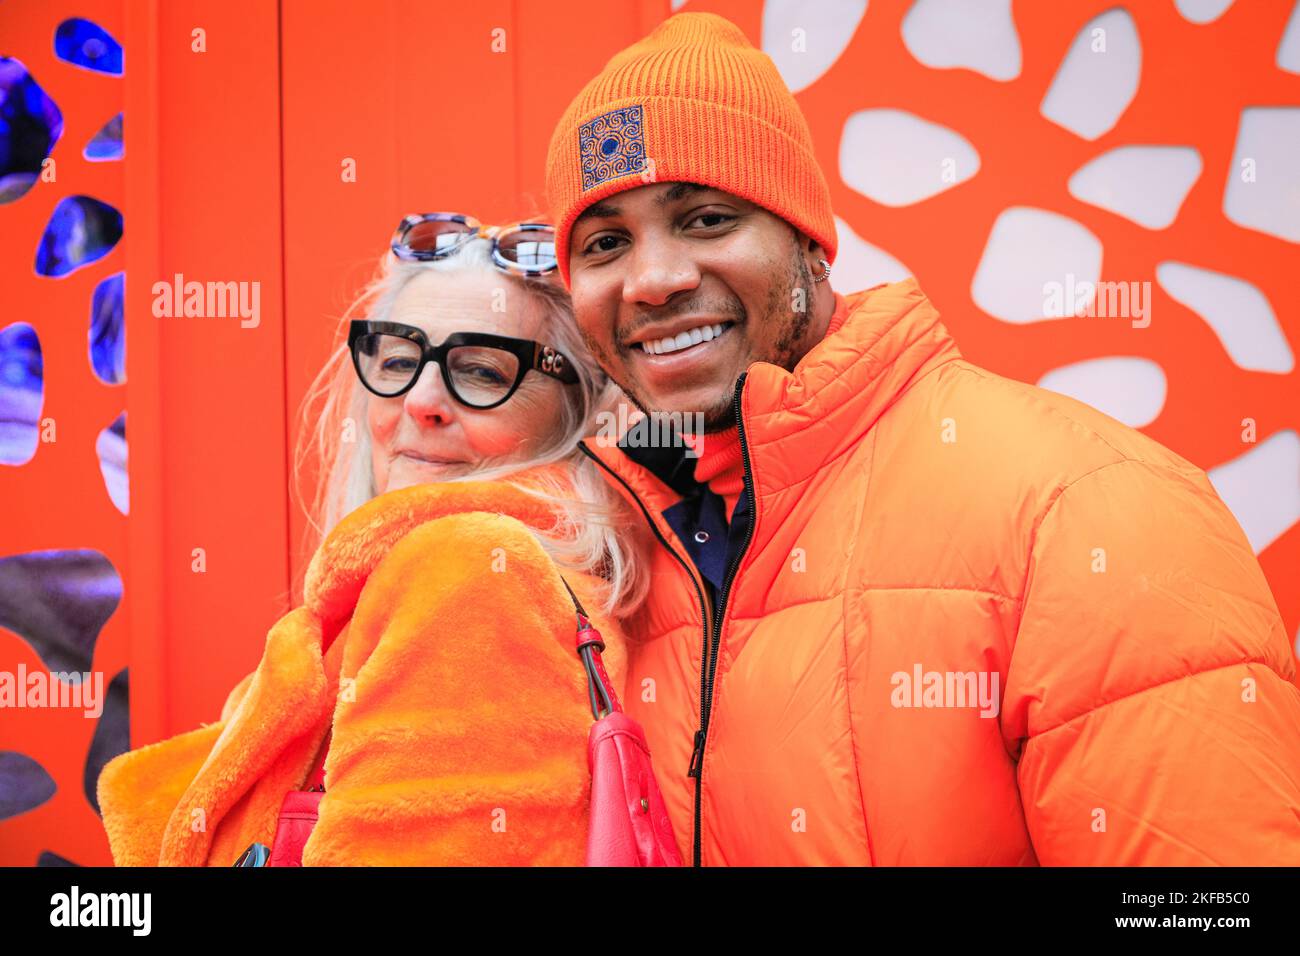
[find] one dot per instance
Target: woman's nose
(428, 400)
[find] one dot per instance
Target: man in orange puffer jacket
(906, 611)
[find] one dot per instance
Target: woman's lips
(427, 461)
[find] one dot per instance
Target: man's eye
(711, 219)
(602, 244)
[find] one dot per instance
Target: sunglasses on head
(523, 248)
(480, 370)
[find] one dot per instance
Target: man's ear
(809, 246)
(814, 255)
(812, 252)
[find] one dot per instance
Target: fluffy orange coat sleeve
(458, 704)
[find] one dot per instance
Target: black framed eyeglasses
(523, 248)
(480, 370)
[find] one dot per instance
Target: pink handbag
(628, 820)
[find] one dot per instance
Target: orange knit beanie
(692, 102)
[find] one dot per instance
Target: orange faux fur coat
(459, 704)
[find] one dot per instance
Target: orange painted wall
(233, 172)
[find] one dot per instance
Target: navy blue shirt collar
(699, 519)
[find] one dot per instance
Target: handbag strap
(316, 780)
(600, 689)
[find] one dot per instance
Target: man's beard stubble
(790, 343)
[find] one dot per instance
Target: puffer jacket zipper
(708, 673)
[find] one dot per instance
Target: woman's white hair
(595, 532)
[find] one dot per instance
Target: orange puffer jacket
(975, 622)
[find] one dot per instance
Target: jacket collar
(795, 422)
(344, 560)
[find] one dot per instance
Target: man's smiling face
(726, 280)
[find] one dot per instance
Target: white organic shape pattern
(1146, 184)
(1098, 78)
(861, 265)
(110, 446)
(1202, 11)
(1264, 182)
(1288, 51)
(1125, 387)
(1029, 253)
(827, 27)
(1239, 314)
(979, 35)
(1261, 490)
(897, 158)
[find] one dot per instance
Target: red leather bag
(629, 823)
(298, 818)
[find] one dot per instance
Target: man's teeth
(682, 340)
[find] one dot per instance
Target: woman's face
(426, 435)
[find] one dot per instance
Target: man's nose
(428, 400)
(659, 270)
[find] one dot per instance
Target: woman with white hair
(441, 279)
(426, 704)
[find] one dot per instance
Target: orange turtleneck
(720, 464)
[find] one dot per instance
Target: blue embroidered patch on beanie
(611, 145)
